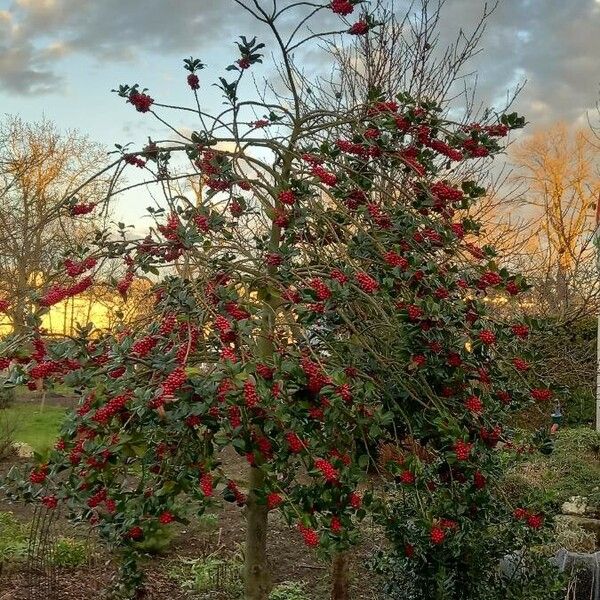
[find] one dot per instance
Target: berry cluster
(75, 268)
(342, 7)
(144, 346)
(320, 288)
(366, 283)
(113, 407)
(310, 536)
(141, 101)
(462, 450)
(59, 293)
(251, 397)
(174, 381)
(329, 472)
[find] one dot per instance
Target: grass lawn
(38, 428)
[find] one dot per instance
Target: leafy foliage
(318, 303)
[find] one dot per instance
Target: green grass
(573, 469)
(34, 426)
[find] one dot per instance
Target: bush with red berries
(327, 299)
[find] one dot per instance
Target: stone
(580, 506)
(23, 450)
(575, 505)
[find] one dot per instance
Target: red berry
(335, 525)
(235, 416)
(366, 283)
(479, 480)
(395, 260)
(487, 337)
(407, 477)
(512, 288)
(419, 360)
(193, 81)
(141, 101)
(414, 312)
(521, 331)
(320, 288)
(342, 7)
(38, 476)
(50, 502)
(311, 537)
(144, 346)
(437, 535)
(235, 208)
(520, 514)
(355, 500)
(454, 359)
(339, 276)
(287, 197)
(474, 404)
(273, 259)
(135, 533)
(327, 469)
(273, 500)
(325, 176)
(462, 450)
(193, 421)
(166, 518)
(535, 521)
(206, 485)
(264, 371)
(541, 394)
(251, 397)
(520, 364)
(174, 381)
(82, 209)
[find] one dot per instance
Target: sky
(59, 59)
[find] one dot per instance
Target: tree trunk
(256, 573)
(340, 577)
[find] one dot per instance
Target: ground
(202, 560)
(203, 557)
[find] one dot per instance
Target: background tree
(558, 168)
(39, 168)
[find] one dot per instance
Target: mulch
(290, 559)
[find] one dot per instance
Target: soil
(290, 560)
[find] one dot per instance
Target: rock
(585, 572)
(23, 450)
(575, 505)
(580, 506)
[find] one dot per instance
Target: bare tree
(558, 167)
(39, 166)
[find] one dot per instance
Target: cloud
(552, 43)
(35, 34)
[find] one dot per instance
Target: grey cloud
(552, 43)
(36, 33)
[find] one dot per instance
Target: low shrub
(7, 434)
(13, 540)
(70, 553)
(156, 540)
(211, 577)
(289, 590)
